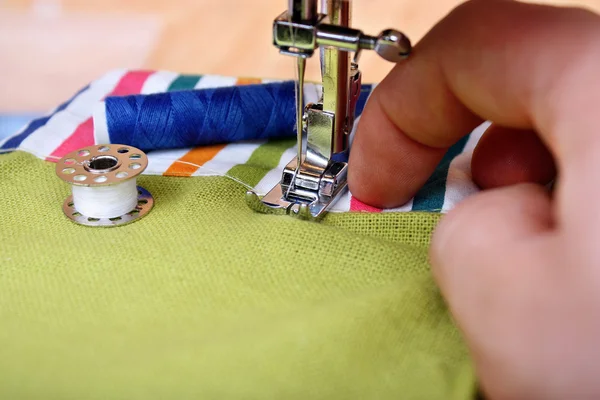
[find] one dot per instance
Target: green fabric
(204, 299)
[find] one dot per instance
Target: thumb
(487, 257)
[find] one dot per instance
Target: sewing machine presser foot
(319, 191)
(317, 177)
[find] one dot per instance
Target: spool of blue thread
(206, 116)
(202, 117)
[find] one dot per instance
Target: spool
(104, 190)
(203, 117)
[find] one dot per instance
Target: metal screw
(393, 45)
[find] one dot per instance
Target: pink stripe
(77, 140)
(131, 83)
(357, 205)
(83, 136)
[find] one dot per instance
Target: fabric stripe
(404, 208)
(248, 81)
(459, 184)
(431, 196)
(83, 136)
(131, 83)
(476, 136)
(357, 205)
(160, 160)
(48, 137)
(158, 82)
(15, 141)
(272, 177)
(263, 159)
(184, 82)
(13, 124)
(198, 156)
(231, 155)
(215, 81)
(343, 203)
(100, 124)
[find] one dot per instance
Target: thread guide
(104, 166)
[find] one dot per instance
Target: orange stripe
(198, 156)
(248, 81)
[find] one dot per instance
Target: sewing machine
(317, 176)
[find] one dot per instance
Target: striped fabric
(72, 126)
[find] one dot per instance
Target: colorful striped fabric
(10, 123)
(72, 125)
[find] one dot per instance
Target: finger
(512, 63)
(487, 258)
(383, 183)
(506, 156)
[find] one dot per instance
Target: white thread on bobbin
(106, 201)
(104, 189)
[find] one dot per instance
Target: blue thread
(205, 117)
(202, 117)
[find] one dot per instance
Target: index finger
(519, 65)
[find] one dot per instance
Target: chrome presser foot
(316, 178)
(319, 190)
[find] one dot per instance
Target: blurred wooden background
(51, 48)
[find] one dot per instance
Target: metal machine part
(317, 176)
(104, 165)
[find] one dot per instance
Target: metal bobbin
(104, 165)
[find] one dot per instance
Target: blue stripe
(15, 141)
(11, 123)
(432, 194)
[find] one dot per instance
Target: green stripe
(431, 196)
(263, 159)
(184, 82)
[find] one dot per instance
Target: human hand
(519, 268)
